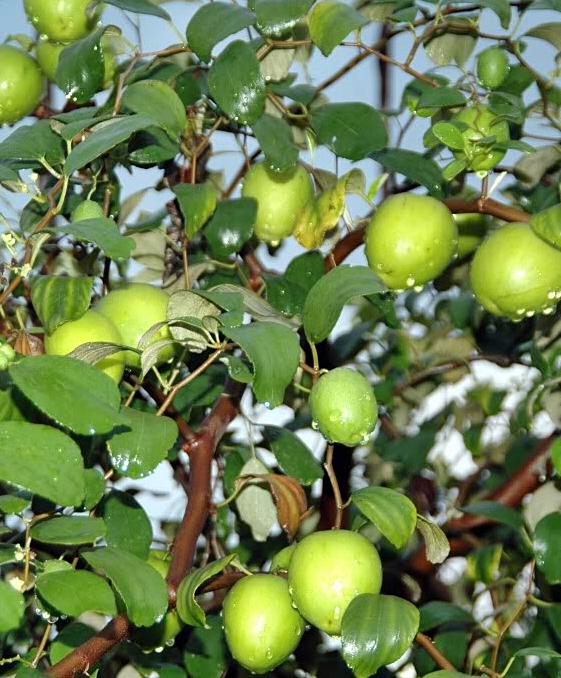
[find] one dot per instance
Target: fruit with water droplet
(328, 570)
(343, 406)
(515, 273)
(62, 20)
(410, 240)
(483, 133)
(21, 84)
(88, 209)
(134, 308)
(261, 625)
(91, 326)
(280, 198)
(492, 67)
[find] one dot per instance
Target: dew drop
(269, 653)
(418, 288)
(410, 281)
(551, 294)
(336, 613)
(530, 314)
(315, 426)
(548, 311)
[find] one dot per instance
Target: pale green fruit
(61, 20)
(88, 209)
(21, 84)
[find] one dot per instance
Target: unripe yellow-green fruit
(492, 67)
(21, 84)
(62, 20)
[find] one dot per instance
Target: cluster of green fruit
(7, 354)
(58, 23)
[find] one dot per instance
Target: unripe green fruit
(7, 351)
(61, 20)
(492, 67)
(410, 240)
(477, 123)
(90, 327)
(89, 209)
(516, 274)
(280, 197)
(472, 228)
(344, 407)
(134, 308)
(21, 84)
(262, 627)
(328, 570)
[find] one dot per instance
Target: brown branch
(434, 653)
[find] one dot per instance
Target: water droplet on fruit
(275, 243)
(410, 282)
(521, 311)
(269, 653)
(551, 294)
(558, 295)
(315, 425)
(418, 288)
(336, 613)
(333, 417)
(549, 310)
(530, 314)
(170, 642)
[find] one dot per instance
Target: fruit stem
(328, 466)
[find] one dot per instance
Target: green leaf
(81, 68)
(449, 135)
(274, 352)
(43, 460)
(436, 543)
(441, 97)
(393, 513)
(276, 17)
(206, 654)
(413, 166)
(212, 23)
(12, 607)
(95, 487)
(128, 526)
(293, 456)
(446, 673)
(545, 652)
(454, 168)
(231, 226)
(68, 530)
(451, 45)
(277, 143)
(550, 32)
(330, 22)
(197, 203)
(157, 100)
(498, 512)
(58, 299)
(72, 592)
(305, 270)
(329, 295)
(102, 232)
(547, 542)
(187, 607)
(377, 630)
(29, 673)
(248, 301)
(69, 638)
(103, 138)
(437, 612)
(547, 224)
(31, 143)
(137, 452)
(236, 83)
(14, 504)
(351, 130)
(140, 7)
(141, 586)
(74, 394)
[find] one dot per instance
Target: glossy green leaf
(95, 487)
(329, 295)
(498, 512)
(74, 394)
(547, 224)
(449, 135)
(187, 607)
(550, 32)
(393, 513)
(72, 592)
(274, 352)
(12, 607)
(413, 166)
(231, 226)
(351, 130)
(446, 673)
(377, 630)
(452, 46)
(58, 299)
(197, 203)
(441, 97)
(293, 456)
(81, 68)
(547, 542)
(68, 530)
(276, 17)
(14, 504)
(43, 460)
(102, 232)
(140, 7)
(438, 612)
(68, 639)
(141, 587)
(128, 526)
(436, 543)
(250, 302)
(137, 452)
(545, 652)
(191, 318)
(277, 143)
(28, 672)
(236, 83)
(212, 23)
(330, 22)
(8, 554)
(306, 269)
(206, 654)
(159, 101)
(31, 143)
(103, 138)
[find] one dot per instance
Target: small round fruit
(134, 308)
(492, 67)
(280, 197)
(61, 20)
(410, 240)
(472, 228)
(88, 209)
(261, 625)
(48, 55)
(477, 124)
(344, 407)
(328, 570)
(516, 274)
(21, 84)
(90, 327)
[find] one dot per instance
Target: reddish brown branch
(435, 654)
